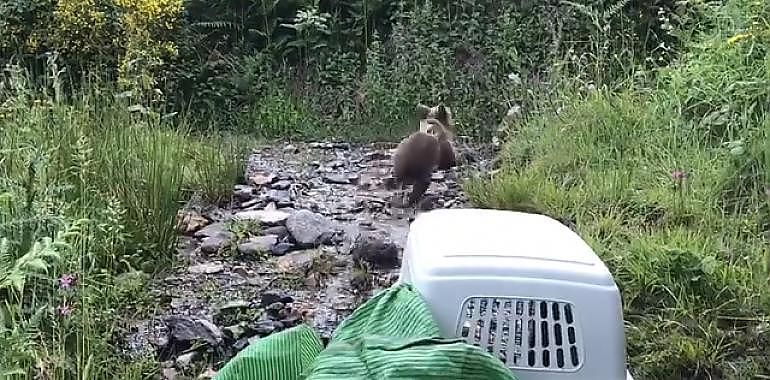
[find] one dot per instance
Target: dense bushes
(343, 65)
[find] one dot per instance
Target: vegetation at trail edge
(669, 180)
(643, 123)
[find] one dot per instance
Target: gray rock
(376, 156)
(299, 261)
(376, 249)
(237, 304)
(244, 192)
(265, 328)
(251, 203)
(240, 344)
(184, 361)
(213, 244)
(169, 374)
(264, 217)
(281, 197)
(262, 179)
(234, 332)
(206, 268)
(189, 330)
(269, 298)
(308, 228)
(340, 179)
(256, 245)
(281, 249)
(209, 373)
(281, 185)
(216, 229)
(335, 164)
(279, 231)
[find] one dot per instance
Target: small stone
(281, 249)
(169, 374)
(280, 197)
(269, 298)
(206, 268)
(240, 344)
(294, 318)
(437, 176)
(213, 244)
(354, 178)
(257, 245)
(341, 145)
(309, 228)
(237, 304)
(243, 192)
(249, 204)
(209, 373)
(290, 149)
(265, 328)
(279, 231)
(185, 360)
(275, 306)
(378, 155)
(191, 221)
(298, 261)
(234, 332)
(335, 164)
(336, 179)
(215, 229)
(187, 329)
(262, 179)
(264, 217)
(281, 185)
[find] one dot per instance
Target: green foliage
(673, 197)
(91, 190)
(356, 66)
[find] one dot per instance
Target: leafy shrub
(90, 194)
(86, 31)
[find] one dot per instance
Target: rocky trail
(312, 234)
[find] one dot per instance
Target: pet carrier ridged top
(522, 286)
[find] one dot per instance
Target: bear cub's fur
(424, 151)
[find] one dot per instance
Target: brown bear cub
(422, 152)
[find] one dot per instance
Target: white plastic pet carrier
(523, 287)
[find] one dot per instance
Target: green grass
(105, 184)
(689, 254)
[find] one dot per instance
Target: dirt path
(282, 252)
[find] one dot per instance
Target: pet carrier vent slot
(543, 331)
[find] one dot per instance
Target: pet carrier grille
(524, 333)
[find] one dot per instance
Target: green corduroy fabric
(391, 336)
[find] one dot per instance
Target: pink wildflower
(64, 310)
(678, 175)
(67, 281)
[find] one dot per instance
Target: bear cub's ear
(442, 113)
(422, 111)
